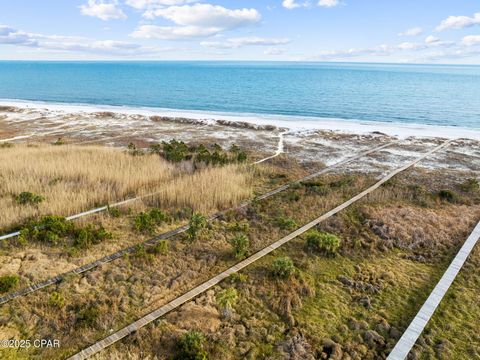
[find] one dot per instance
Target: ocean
(446, 95)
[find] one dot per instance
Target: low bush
(55, 230)
(50, 229)
(87, 316)
(133, 150)
(196, 224)
(114, 212)
(56, 300)
(448, 195)
(147, 222)
(470, 185)
(6, 145)
(239, 226)
(316, 187)
(285, 223)
(322, 242)
(192, 346)
(28, 198)
(8, 282)
(176, 151)
(282, 267)
(58, 142)
(226, 299)
(240, 244)
(160, 248)
(90, 235)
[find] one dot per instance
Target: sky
(398, 31)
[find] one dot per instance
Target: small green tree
(8, 282)
(323, 242)
(192, 346)
(240, 244)
(282, 267)
(196, 224)
(226, 299)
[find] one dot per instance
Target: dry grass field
(70, 179)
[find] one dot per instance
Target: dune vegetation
(39, 180)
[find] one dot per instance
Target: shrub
(226, 299)
(8, 282)
(90, 235)
(285, 223)
(242, 156)
(316, 187)
(28, 198)
(52, 229)
(133, 150)
(282, 267)
(160, 248)
(191, 346)
(114, 212)
(49, 229)
(240, 244)
(87, 317)
(146, 222)
(343, 182)
(56, 300)
(470, 185)
(238, 277)
(239, 226)
(175, 151)
(140, 252)
(448, 195)
(59, 142)
(6, 145)
(323, 242)
(196, 224)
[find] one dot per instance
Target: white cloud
(431, 39)
(381, 50)
(207, 15)
(12, 36)
(291, 4)
(198, 20)
(148, 4)
(173, 32)
(234, 43)
(103, 10)
(471, 40)
(328, 3)
(410, 46)
(459, 22)
(274, 51)
(412, 32)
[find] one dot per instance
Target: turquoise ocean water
(418, 94)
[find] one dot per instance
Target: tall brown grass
(76, 178)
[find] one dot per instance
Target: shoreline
(292, 123)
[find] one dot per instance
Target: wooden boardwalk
(415, 329)
(151, 242)
(142, 322)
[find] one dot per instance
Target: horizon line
(241, 61)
